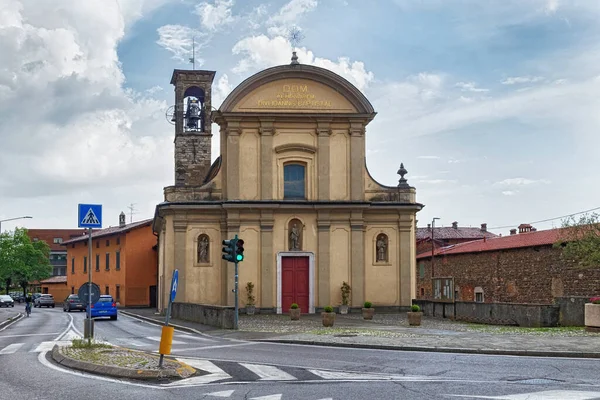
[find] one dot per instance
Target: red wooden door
(294, 283)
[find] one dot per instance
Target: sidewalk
(392, 332)
(6, 317)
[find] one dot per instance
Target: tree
(580, 240)
(23, 261)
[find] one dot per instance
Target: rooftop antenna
(295, 36)
(193, 57)
(131, 211)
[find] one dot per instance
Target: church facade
(292, 182)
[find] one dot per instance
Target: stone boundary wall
(218, 316)
(526, 315)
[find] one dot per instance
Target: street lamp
(11, 219)
(432, 245)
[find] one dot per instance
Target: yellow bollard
(166, 340)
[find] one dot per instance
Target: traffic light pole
(235, 320)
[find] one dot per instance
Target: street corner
(120, 362)
(8, 321)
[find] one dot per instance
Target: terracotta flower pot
(368, 313)
(328, 318)
(414, 318)
(295, 314)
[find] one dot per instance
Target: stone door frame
(311, 277)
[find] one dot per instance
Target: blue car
(105, 307)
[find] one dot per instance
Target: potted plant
(592, 315)
(328, 316)
(345, 298)
(294, 312)
(368, 311)
(250, 299)
(414, 315)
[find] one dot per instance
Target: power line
(547, 220)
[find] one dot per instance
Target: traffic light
(239, 250)
(229, 250)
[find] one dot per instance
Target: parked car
(105, 307)
(72, 302)
(44, 300)
(6, 301)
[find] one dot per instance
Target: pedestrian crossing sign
(90, 216)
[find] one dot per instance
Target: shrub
(294, 306)
(595, 300)
(368, 304)
(415, 308)
(328, 309)
(345, 293)
(250, 299)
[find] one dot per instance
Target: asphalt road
(242, 370)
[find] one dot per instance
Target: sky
(492, 105)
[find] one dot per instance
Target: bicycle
(28, 309)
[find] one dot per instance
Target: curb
(116, 372)
(10, 321)
(156, 322)
(530, 353)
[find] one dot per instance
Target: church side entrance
(295, 283)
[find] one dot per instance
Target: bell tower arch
(193, 93)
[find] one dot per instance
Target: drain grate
(537, 381)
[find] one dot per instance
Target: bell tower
(192, 117)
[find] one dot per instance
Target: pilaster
(323, 258)
(267, 269)
(357, 228)
(357, 158)
(179, 230)
(266, 159)
(407, 260)
(233, 160)
(233, 228)
(323, 159)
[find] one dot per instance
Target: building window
(97, 262)
(118, 293)
(72, 289)
(294, 181)
(107, 243)
(73, 265)
(73, 246)
(35, 239)
(479, 294)
(58, 240)
(97, 244)
(118, 260)
(45, 290)
(106, 291)
(381, 248)
(421, 269)
(119, 240)
(443, 289)
(107, 261)
(84, 264)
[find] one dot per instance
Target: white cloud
(510, 192)
(261, 52)
(289, 15)
(181, 40)
(470, 87)
(437, 181)
(215, 16)
(221, 90)
(514, 80)
(429, 157)
(521, 182)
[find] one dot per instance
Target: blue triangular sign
(90, 218)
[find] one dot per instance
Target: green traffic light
(239, 257)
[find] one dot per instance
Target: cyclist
(28, 303)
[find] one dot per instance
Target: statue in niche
(294, 237)
(381, 247)
(203, 245)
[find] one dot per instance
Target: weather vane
(295, 36)
(193, 57)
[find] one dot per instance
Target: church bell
(193, 114)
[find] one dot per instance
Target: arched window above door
(294, 181)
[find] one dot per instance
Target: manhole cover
(345, 335)
(537, 381)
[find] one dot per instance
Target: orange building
(56, 286)
(124, 262)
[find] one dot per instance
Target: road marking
(17, 319)
(219, 346)
(269, 397)
(214, 373)
(48, 346)
(269, 373)
(545, 395)
(225, 393)
(157, 339)
(351, 375)
(11, 348)
(30, 334)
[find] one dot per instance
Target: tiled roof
(55, 279)
(453, 233)
(48, 236)
(527, 239)
(113, 230)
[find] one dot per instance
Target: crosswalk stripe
(544, 395)
(269, 397)
(214, 373)
(157, 339)
(48, 346)
(348, 375)
(268, 372)
(11, 348)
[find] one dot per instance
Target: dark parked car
(45, 300)
(105, 307)
(73, 303)
(6, 301)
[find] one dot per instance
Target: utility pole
(131, 211)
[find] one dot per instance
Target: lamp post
(11, 219)
(432, 246)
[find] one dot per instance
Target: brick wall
(192, 158)
(525, 275)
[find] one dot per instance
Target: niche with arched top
(295, 234)
(382, 248)
(203, 249)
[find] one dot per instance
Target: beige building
(292, 182)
